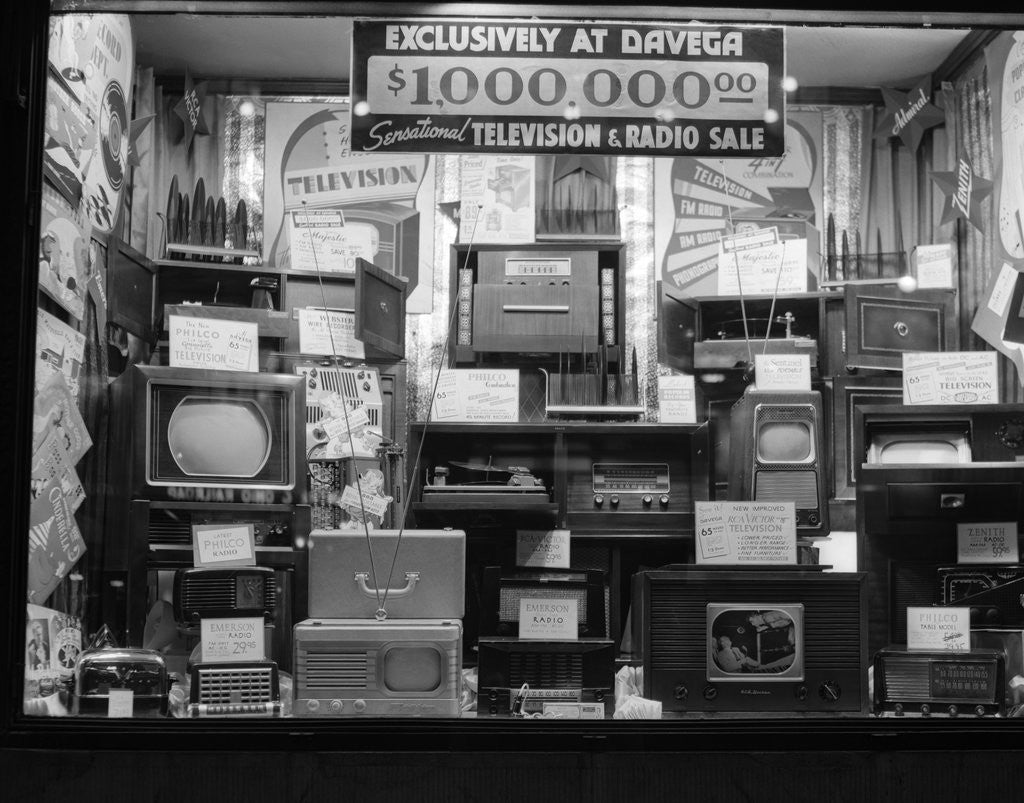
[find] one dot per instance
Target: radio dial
(337, 706)
(312, 705)
(898, 709)
(953, 710)
(926, 710)
(614, 500)
(681, 692)
(598, 500)
(801, 692)
(648, 500)
(359, 706)
(979, 710)
(710, 692)
(664, 500)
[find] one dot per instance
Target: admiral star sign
(456, 86)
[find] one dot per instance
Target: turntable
(488, 494)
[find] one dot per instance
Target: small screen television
(745, 641)
(776, 454)
(926, 446)
(366, 668)
(207, 435)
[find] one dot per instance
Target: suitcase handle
(411, 579)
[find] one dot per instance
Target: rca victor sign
(453, 86)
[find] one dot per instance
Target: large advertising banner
(698, 200)
(498, 86)
(1000, 319)
(85, 155)
(325, 206)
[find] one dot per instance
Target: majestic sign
(545, 87)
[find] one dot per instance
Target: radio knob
(926, 710)
(953, 710)
(898, 709)
(359, 706)
(813, 520)
(337, 706)
(829, 691)
(801, 692)
(979, 710)
(614, 500)
(648, 500)
(681, 692)
(598, 500)
(710, 692)
(312, 705)
(664, 500)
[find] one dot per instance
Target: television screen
(746, 640)
(919, 448)
(219, 437)
(412, 668)
(232, 435)
(785, 442)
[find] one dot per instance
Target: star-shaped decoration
(190, 109)
(597, 166)
(908, 115)
(964, 190)
(135, 129)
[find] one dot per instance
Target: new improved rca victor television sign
(453, 85)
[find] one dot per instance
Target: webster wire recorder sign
(499, 86)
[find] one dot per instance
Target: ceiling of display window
(317, 50)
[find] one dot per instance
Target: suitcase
(427, 570)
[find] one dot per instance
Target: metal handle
(901, 328)
(535, 308)
(411, 579)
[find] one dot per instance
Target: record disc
(183, 219)
(113, 134)
(195, 231)
(220, 223)
(173, 200)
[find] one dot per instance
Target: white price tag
(939, 628)
(554, 619)
(233, 639)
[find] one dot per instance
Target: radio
(555, 671)
(365, 668)
(206, 593)
(348, 574)
(752, 641)
(536, 299)
(99, 672)
(238, 689)
(503, 589)
(941, 683)
(394, 235)
(995, 594)
(777, 454)
(360, 389)
(171, 523)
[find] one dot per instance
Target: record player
(482, 479)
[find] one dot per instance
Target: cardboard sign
(933, 266)
(954, 377)
(677, 401)
(750, 533)
(780, 268)
(786, 372)
(217, 545)
(322, 242)
(939, 628)
(477, 394)
(329, 332)
(549, 619)
(987, 542)
(213, 343)
(232, 639)
(543, 548)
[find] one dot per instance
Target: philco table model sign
(544, 87)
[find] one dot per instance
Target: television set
(777, 454)
(751, 642)
(208, 435)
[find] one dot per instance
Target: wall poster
(325, 206)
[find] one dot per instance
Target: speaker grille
(236, 685)
(333, 670)
(800, 487)
(546, 670)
